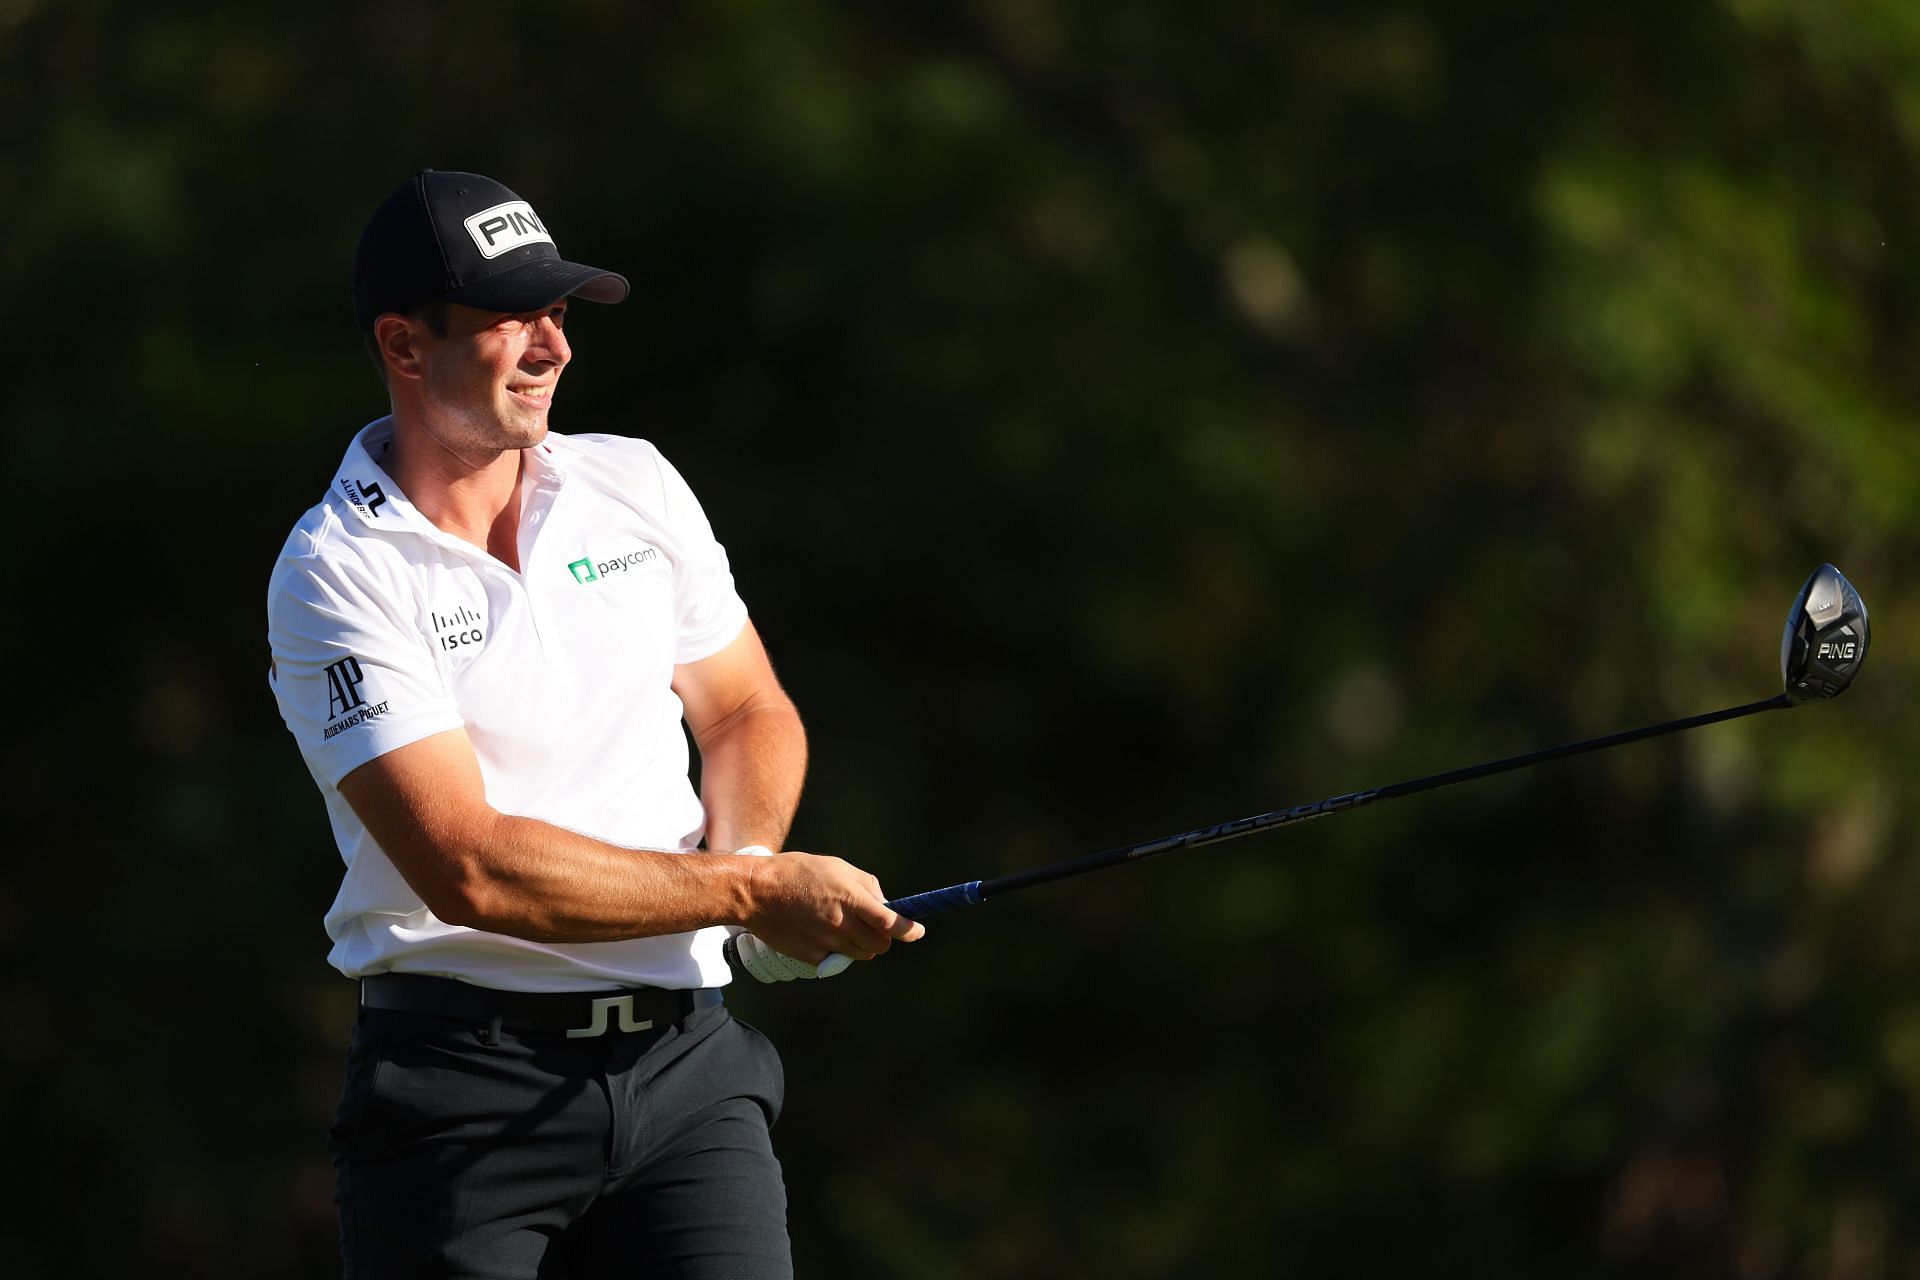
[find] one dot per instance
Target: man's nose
(549, 342)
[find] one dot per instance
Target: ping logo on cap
(505, 226)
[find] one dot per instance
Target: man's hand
(809, 906)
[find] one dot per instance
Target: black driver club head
(1826, 638)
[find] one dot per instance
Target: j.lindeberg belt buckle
(598, 1027)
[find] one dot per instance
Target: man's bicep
(425, 804)
(736, 679)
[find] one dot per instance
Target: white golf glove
(768, 965)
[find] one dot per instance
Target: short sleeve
(708, 610)
(352, 673)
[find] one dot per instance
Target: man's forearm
(472, 865)
(752, 767)
(530, 879)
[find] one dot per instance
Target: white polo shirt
(384, 630)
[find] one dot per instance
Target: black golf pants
(458, 1151)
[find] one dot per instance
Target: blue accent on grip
(934, 901)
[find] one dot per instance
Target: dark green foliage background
(1121, 417)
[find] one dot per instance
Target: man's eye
(559, 316)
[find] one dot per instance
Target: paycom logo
(587, 569)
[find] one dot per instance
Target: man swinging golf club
(485, 639)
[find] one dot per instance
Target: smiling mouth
(533, 393)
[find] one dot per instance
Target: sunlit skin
(464, 406)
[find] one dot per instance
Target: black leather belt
(577, 1014)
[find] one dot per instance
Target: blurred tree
(1121, 417)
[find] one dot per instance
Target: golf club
(1821, 651)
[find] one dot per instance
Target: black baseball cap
(467, 239)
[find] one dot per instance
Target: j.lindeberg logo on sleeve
(505, 226)
(346, 705)
(589, 569)
(365, 495)
(462, 627)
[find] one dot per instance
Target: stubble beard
(478, 437)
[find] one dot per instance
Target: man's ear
(399, 340)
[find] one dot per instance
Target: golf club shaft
(935, 901)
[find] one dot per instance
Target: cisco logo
(458, 629)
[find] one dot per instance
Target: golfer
(485, 640)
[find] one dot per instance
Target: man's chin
(528, 429)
